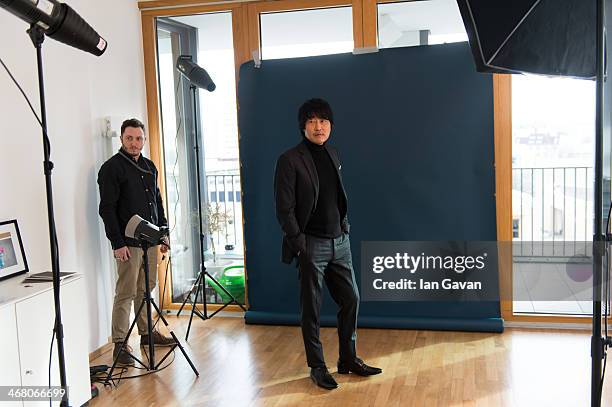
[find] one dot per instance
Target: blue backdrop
(414, 129)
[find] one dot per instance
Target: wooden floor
(249, 365)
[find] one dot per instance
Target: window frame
(290, 5)
(247, 47)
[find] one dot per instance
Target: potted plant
(216, 221)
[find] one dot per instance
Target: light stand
(200, 284)
(38, 37)
(599, 344)
(148, 301)
(60, 22)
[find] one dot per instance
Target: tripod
(200, 283)
(148, 302)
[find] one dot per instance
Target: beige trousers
(130, 289)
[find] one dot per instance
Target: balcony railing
(223, 197)
(552, 211)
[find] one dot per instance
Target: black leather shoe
(358, 367)
(321, 377)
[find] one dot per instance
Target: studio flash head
(194, 73)
(140, 229)
(58, 21)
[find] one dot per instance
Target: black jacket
(128, 188)
(296, 191)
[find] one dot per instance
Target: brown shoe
(124, 359)
(158, 340)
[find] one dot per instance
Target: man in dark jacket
(128, 187)
(311, 207)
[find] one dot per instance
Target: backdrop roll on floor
(414, 129)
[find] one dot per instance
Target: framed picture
(12, 255)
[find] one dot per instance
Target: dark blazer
(296, 191)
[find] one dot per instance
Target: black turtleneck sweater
(325, 221)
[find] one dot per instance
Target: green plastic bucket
(232, 279)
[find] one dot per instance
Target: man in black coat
(128, 187)
(311, 207)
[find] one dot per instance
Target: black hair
(314, 108)
(132, 123)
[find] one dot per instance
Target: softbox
(548, 37)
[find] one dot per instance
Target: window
(419, 23)
(174, 39)
(306, 33)
(208, 39)
(553, 128)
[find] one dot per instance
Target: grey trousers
(130, 289)
(328, 260)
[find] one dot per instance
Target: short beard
(130, 154)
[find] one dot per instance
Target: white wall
(81, 89)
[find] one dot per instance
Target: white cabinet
(9, 370)
(76, 341)
(34, 315)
